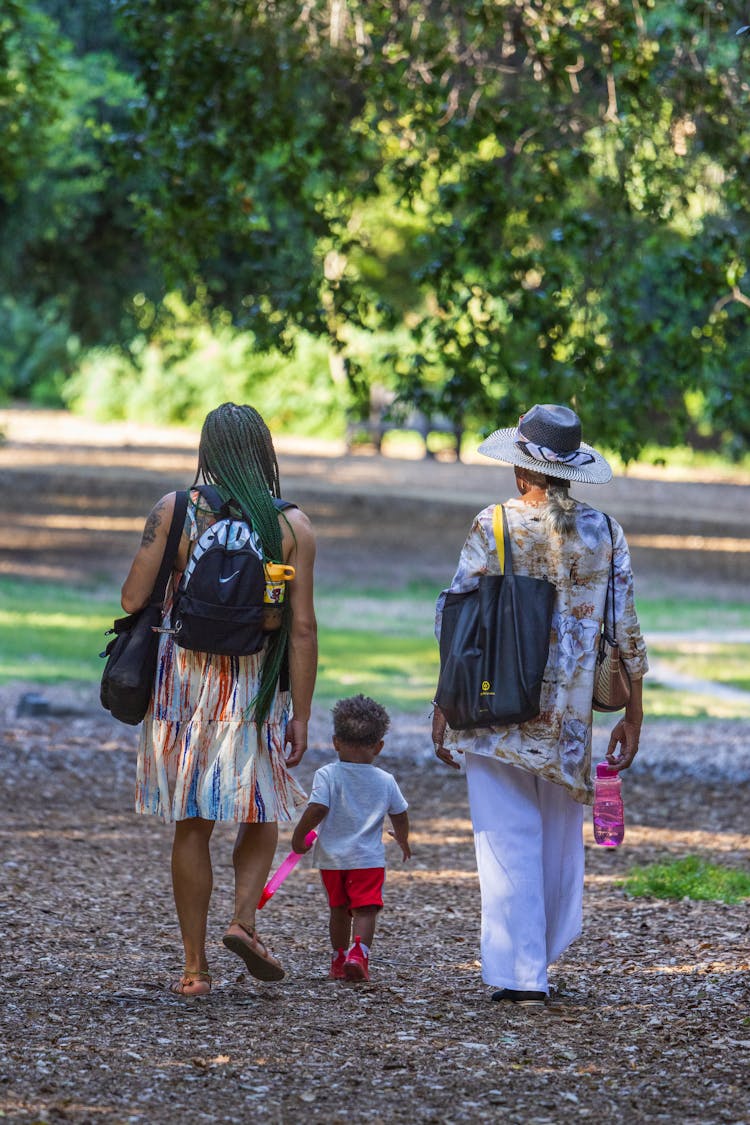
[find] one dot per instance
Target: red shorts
(363, 886)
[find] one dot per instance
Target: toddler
(349, 800)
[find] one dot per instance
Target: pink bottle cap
(603, 769)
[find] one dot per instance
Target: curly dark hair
(360, 721)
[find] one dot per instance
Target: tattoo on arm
(152, 524)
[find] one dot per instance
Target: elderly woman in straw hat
(528, 782)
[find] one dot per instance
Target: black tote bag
(128, 677)
(494, 644)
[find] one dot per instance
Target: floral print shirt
(557, 743)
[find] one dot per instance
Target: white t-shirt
(358, 797)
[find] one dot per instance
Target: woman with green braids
(213, 743)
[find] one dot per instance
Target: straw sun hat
(547, 440)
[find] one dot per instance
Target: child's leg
(364, 919)
(340, 927)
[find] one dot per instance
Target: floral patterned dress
(200, 753)
(557, 743)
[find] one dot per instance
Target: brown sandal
(260, 963)
(188, 978)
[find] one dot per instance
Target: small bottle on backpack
(609, 811)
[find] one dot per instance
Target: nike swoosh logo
(231, 576)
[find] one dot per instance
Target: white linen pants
(528, 835)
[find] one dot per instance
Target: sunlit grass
(690, 877)
(681, 616)
(725, 663)
(51, 633)
(400, 672)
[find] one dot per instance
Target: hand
(445, 755)
(403, 844)
(625, 735)
(296, 735)
(299, 846)
(439, 725)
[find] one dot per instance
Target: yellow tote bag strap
(497, 527)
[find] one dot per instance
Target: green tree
(574, 177)
(69, 254)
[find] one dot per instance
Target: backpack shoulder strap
(213, 496)
(217, 503)
(170, 550)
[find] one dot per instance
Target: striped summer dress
(199, 752)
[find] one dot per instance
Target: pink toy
(284, 868)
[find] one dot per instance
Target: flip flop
(189, 977)
(260, 963)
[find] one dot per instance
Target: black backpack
(218, 605)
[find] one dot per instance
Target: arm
(137, 587)
(311, 818)
(439, 725)
(299, 552)
(400, 833)
(623, 742)
(627, 731)
(628, 634)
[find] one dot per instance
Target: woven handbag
(611, 679)
(494, 644)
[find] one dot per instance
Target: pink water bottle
(609, 811)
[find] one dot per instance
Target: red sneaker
(355, 965)
(337, 966)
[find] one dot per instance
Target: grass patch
(665, 703)
(400, 672)
(676, 615)
(690, 877)
(723, 663)
(53, 633)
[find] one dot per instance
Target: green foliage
(186, 362)
(690, 877)
(37, 351)
(30, 92)
(573, 179)
(521, 201)
(66, 224)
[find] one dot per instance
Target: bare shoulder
(296, 519)
(297, 535)
(158, 518)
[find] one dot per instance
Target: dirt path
(648, 1019)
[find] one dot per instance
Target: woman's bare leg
(192, 883)
(253, 855)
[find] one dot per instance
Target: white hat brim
(501, 446)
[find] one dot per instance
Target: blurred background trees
(478, 205)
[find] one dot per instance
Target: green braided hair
(237, 456)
